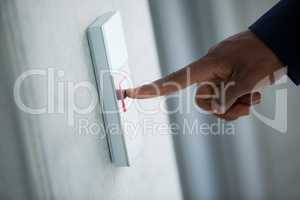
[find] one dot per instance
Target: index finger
(198, 71)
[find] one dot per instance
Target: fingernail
(217, 108)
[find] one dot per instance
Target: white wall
(42, 157)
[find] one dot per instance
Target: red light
(121, 95)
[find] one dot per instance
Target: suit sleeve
(279, 29)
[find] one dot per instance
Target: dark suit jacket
(279, 29)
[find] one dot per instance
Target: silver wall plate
(108, 52)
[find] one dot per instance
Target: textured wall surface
(42, 156)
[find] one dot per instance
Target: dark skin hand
(239, 63)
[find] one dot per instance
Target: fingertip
(118, 94)
(121, 94)
(125, 94)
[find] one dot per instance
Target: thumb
(229, 93)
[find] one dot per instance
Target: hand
(227, 77)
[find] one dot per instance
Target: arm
(244, 59)
(279, 30)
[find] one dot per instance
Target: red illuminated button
(121, 96)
